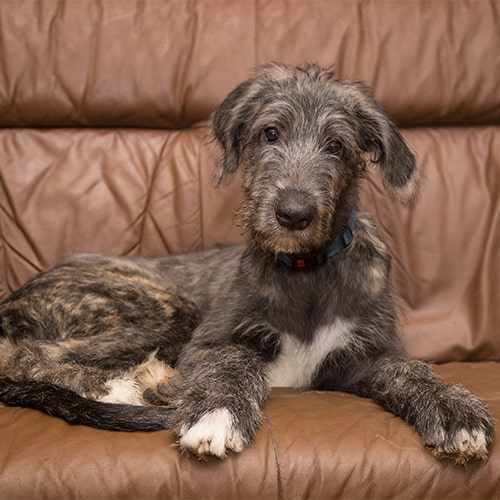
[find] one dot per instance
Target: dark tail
(70, 406)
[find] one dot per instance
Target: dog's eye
(334, 147)
(271, 134)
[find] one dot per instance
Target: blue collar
(314, 259)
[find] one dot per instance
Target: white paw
(465, 445)
(471, 444)
(214, 434)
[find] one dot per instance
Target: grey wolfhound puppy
(307, 304)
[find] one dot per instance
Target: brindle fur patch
(90, 320)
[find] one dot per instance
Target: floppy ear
(381, 139)
(229, 122)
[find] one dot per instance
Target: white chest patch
(298, 362)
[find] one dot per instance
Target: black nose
(294, 211)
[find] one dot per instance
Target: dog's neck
(320, 256)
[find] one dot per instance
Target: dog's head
(303, 139)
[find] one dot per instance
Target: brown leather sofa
(103, 116)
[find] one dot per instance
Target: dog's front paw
(466, 429)
(213, 434)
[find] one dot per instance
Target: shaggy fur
(307, 304)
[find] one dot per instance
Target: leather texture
(104, 147)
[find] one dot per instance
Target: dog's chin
(291, 242)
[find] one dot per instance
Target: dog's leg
(140, 384)
(141, 361)
(41, 361)
(453, 423)
(67, 364)
(218, 406)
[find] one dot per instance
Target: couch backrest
(167, 64)
(103, 145)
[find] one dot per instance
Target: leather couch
(104, 108)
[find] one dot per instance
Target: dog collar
(314, 259)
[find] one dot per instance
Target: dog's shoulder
(365, 265)
(367, 236)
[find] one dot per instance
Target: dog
(306, 304)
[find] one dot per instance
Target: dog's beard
(268, 235)
(294, 243)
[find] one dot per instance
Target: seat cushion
(312, 445)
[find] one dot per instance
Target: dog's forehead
(311, 89)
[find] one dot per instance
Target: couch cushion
(121, 192)
(312, 445)
(169, 63)
(427, 62)
(445, 249)
(139, 192)
(132, 63)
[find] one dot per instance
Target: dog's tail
(72, 407)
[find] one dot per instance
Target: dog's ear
(228, 127)
(232, 119)
(383, 144)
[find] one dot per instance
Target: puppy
(307, 304)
